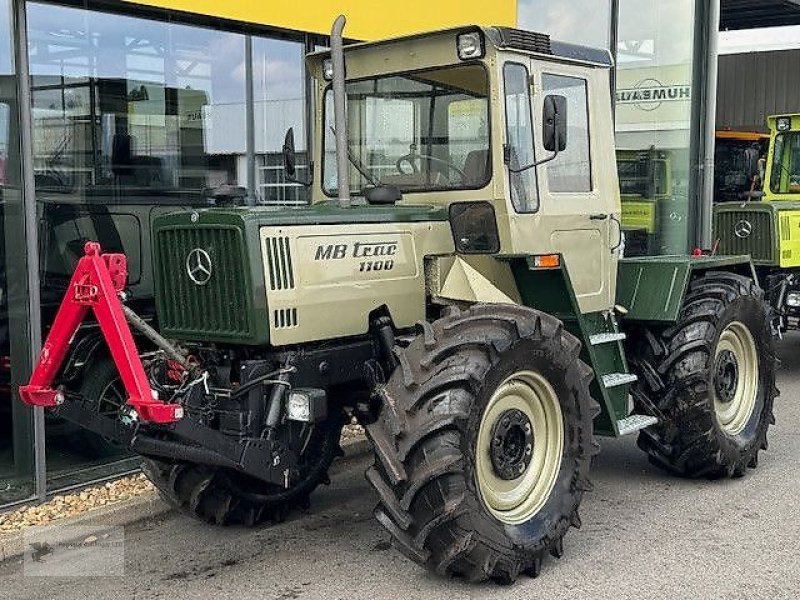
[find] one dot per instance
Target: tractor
(455, 286)
(765, 223)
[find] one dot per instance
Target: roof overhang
(750, 14)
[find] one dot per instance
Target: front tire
(224, 496)
(710, 379)
(484, 442)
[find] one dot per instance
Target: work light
(327, 69)
(470, 45)
(784, 123)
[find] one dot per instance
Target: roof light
(784, 123)
(470, 45)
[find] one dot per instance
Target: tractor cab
(505, 129)
(783, 164)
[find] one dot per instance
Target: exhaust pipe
(340, 111)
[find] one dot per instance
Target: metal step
(606, 338)
(634, 423)
(616, 379)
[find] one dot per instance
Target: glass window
(423, 131)
(519, 137)
(571, 171)
(785, 177)
(568, 22)
(131, 118)
(128, 107)
(653, 121)
(279, 103)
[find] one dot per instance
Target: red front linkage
(95, 285)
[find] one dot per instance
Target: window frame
(592, 178)
(489, 162)
(532, 113)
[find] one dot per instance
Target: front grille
(759, 244)
(216, 310)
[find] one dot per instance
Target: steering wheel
(412, 157)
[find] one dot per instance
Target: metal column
(704, 106)
(30, 243)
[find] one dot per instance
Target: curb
(127, 512)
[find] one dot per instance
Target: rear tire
(474, 381)
(226, 497)
(710, 378)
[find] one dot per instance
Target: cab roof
(504, 38)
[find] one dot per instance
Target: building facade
(112, 112)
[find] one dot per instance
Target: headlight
(327, 69)
(784, 123)
(470, 45)
(793, 299)
(307, 405)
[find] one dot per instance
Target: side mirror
(554, 123)
(762, 169)
(289, 161)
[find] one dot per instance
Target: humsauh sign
(650, 94)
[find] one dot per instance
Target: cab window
(519, 138)
(572, 170)
(785, 178)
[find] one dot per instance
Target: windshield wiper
(360, 167)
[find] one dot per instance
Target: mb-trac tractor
(765, 223)
(456, 286)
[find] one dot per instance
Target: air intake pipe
(340, 111)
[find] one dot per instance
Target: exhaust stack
(340, 111)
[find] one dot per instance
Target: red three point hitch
(95, 286)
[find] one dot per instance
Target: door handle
(598, 217)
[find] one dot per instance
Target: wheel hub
(726, 380)
(512, 444)
(736, 378)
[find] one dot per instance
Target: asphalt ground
(645, 535)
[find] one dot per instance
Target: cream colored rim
(734, 414)
(518, 500)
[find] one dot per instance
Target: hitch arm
(95, 286)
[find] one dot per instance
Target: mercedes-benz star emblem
(743, 228)
(198, 266)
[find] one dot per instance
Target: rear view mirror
(554, 123)
(289, 160)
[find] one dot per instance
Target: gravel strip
(70, 505)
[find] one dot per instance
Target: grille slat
(759, 244)
(220, 308)
(279, 261)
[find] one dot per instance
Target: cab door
(569, 205)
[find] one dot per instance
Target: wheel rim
(735, 378)
(516, 468)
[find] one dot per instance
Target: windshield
(785, 178)
(419, 132)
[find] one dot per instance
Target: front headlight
(470, 45)
(327, 69)
(793, 299)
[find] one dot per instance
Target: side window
(572, 170)
(519, 137)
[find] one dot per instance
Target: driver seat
(475, 168)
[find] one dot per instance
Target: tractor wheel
(483, 443)
(224, 496)
(710, 379)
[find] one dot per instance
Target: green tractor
(456, 286)
(766, 223)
